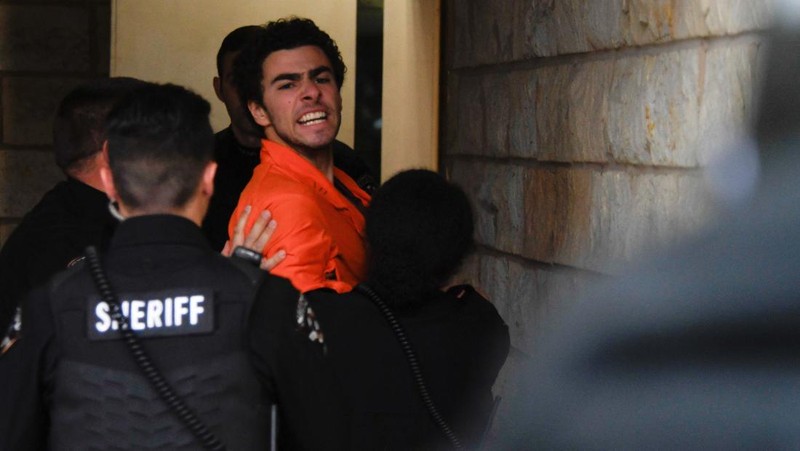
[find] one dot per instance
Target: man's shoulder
(224, 138)
(67, 204)
(210, 270)
(53, 206)
(277, 189)
(46, 235)
(345, 309)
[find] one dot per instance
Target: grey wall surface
(583, 131)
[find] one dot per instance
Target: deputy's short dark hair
(419, 230)
(282, 34)
(234, 42)
(79, 125)
(159, 142)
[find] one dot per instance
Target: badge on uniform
(154, 314)
(13, 333)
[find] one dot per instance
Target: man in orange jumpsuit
(290, 77)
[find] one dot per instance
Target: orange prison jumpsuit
(321, 231)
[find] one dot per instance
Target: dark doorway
(369, 82)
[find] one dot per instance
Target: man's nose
(311, 90)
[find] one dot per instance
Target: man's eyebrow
(319, 70)
(297, 76)
(286, 76)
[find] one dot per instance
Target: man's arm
(256, 239)
(310, 252)
(291, 364)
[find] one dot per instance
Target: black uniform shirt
(67, 219)
(235, 165)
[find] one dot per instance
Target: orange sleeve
(301, 233)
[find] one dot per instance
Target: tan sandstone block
(26, 176)
(44, 38)
(29, 105)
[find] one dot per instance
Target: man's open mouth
(313, 118)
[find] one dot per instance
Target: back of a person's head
(235, 41)
(419, 230)
(159, 142)
(283, 34)
(79, 125)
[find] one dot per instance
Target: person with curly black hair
(345, 371)
(237, 148)
(289, 75)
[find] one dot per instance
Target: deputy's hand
(258, 237)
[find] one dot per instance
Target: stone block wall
(46, 48)
(581, 129)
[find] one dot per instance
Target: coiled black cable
(413, 363)
(145, 363)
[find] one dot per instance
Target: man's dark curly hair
(282, 34)
(419, 230)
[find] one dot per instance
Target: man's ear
(104, 154)
(259, 114)
(207, 181)
(217, 82)
(108, 183)
(106, 178)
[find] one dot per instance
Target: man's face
(302, 103)
(229, 95)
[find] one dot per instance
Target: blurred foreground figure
(700, 349)
(352, 378)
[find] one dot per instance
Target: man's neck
(194, 211)
(322, 159)
(88, 173)
(245, 139)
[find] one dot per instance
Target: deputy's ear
(106, 178)
(108, 183)
(259, 114)
(207, 182)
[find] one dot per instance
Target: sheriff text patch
(154, 314)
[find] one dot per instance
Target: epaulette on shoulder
(76, 266)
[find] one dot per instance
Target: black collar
(158, 229)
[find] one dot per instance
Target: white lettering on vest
(101, 312)
(168, 312)
(137, 315)
(196, 308)
(180, 309)
(175, 315)
(154, 311)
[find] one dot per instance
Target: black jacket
(339, 372)
(68, 218)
